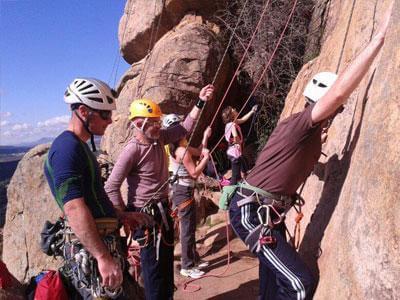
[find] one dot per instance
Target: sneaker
(203, 264)
(192, 273)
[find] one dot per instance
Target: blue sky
(44, 45)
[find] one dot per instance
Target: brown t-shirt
(289, 156)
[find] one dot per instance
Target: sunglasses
(154, 123)
(104, 114)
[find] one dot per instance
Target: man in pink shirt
(143, 163)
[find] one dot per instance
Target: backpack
(52, 237)
(50, 286)
(227, 194)
(6, 279)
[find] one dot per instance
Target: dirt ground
(239, 281)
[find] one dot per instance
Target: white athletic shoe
(203, 264)
(192, 273)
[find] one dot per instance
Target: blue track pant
(283, 275)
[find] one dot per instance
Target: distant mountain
(43, 140)
(25, 147)
(5, 150)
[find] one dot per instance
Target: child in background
(234, 137)
(186, 171)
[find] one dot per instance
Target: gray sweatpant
(187, 221)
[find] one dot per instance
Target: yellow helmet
(144, 108)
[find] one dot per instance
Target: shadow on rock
(335, 173)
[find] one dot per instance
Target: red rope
(241, 61)
(262, 74)
(187, 283)
(195, 288)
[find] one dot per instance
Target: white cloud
(17, 133)
(56, 121)
(20, 127)
(5, 114)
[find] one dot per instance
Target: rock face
(30, 203)
(145, 21)
(352, 210)
(181, 63)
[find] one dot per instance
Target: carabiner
(267, 218)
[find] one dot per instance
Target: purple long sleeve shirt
(145, 166)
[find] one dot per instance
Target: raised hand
(207, 92)
(205, 153)
(207, 132)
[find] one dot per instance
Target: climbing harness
(271, 212)
(152, 236)
(241, 61)
(181, 206)
(149, 203)
(251, 94)
(202, 109)
(79, 265)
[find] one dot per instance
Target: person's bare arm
(187, 160)
(204, 143)
(83, 225)
(351, 77)
(247, 116)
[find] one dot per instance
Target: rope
(253, 121)
(241, 61)
(201, 110)
(345, 36)
(264, 71)
(220, 275)
(153, 37)
(233, 33)
(117, 55)
(229, 42)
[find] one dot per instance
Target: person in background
(259, 204)
(234, 137)
(144, 164)
(74, 178)
(185, 172)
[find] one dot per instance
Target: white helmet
(170, 120)
(92, 92)
(319, 85)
